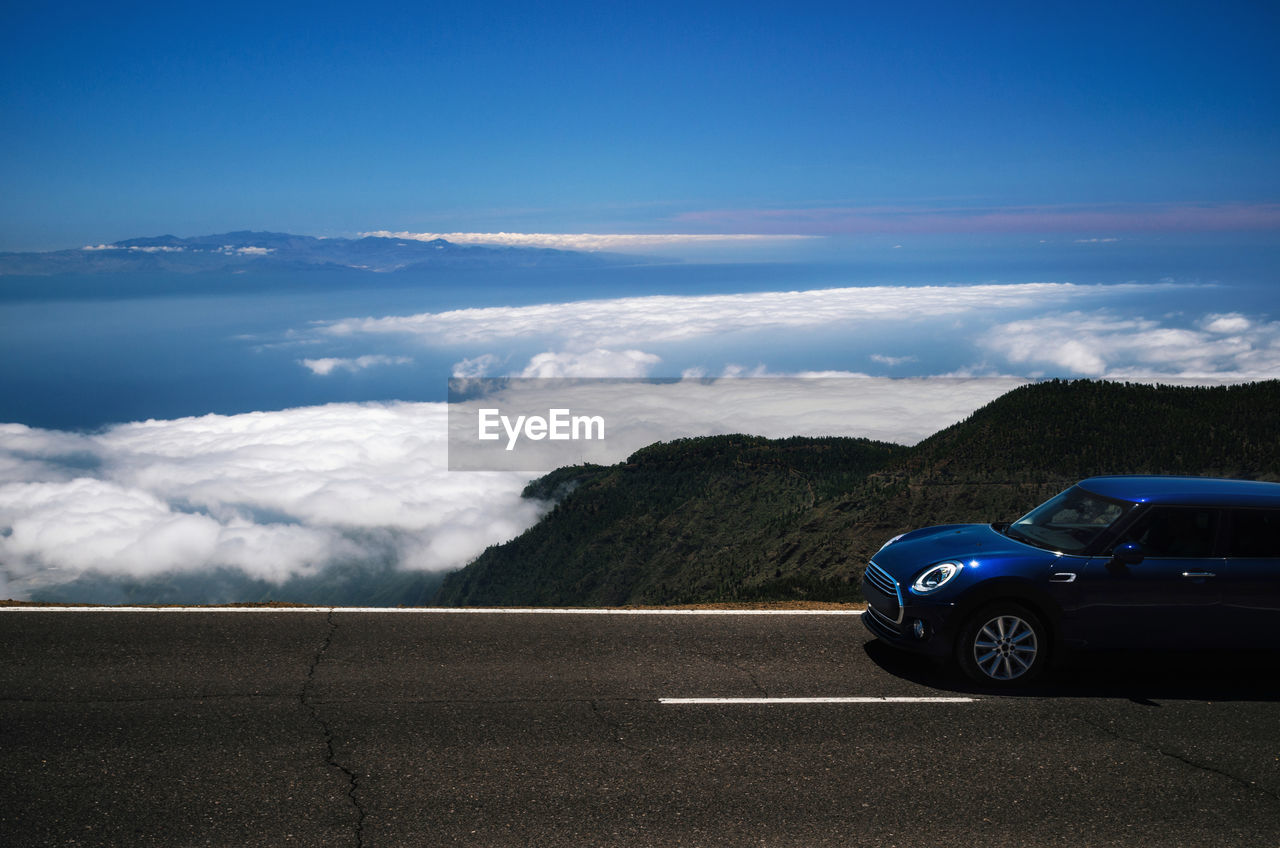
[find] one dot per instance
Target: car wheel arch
(1017, 591)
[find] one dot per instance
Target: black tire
(1003, 645)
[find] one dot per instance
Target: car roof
(1202, 491)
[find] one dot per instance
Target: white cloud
(1096, 240)
(883, 359)
(327, 365)
(736, 371)
(1099, 344)
(477, 366)
(28, 454)
(1232, 322)
(94, 524)
(156, 248)
(592, 363)
(591, 241)
(636, 321)
(273, 494)
(616, 336)
(229, 249)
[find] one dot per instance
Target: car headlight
(935, 577)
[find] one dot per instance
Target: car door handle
(1198, 574)
(1062, 577)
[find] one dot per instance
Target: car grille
(884, 598)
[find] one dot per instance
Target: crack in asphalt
(331, 757)
(1147, 746)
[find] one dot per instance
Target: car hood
(961, 542)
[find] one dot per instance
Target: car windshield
(1069, 522)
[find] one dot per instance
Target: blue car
(1112, 562)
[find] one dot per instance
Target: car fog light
(919, 628)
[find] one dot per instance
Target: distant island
(740, 518)
(249, 252)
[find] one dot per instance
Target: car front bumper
(931, 636)
(923, 628)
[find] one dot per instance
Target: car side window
(1175, 532)
(1254, 533)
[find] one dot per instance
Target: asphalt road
(421, 729)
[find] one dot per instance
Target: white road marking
(832, 700)
(441, 610)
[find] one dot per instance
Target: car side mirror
(1130, 553)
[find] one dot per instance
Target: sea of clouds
(275, 495)
(1029, 329)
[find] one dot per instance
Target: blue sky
(132, 119)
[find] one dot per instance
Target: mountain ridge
(248, 251)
